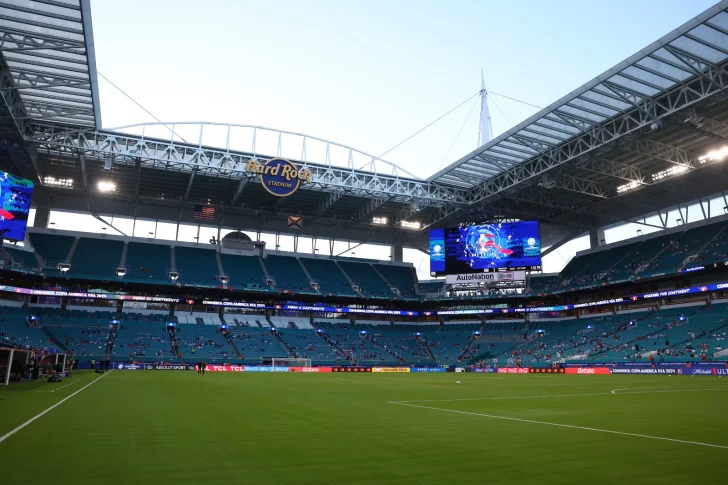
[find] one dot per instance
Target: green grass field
(181, 428)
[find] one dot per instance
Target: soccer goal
(290, 362)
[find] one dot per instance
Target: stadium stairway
(429, 352)
(285, 344)
(385, 349)
(230, 342)
(332, 343)
(392, 288)
(353, 286)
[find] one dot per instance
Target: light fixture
(105, 186)
(120, 271)
(381, 221)
(714, 156)
(678, 221)
(66, 183)
(64, 267)
(674, 170)
(173, 275)
(639, 232)
(627, 187)
(414, 225)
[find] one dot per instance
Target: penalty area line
(12, 432)
(559, 425)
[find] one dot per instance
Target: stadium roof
(48, 52)
(683, 54)
(624, 145)
(655, 111)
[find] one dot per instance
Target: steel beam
(65, 140)
(610, 168)
(189, 184)
(329, 201)
(659, 151)
(239, 190)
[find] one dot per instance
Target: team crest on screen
(278, 176)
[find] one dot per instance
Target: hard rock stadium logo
(278, 176)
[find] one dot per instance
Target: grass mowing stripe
(546, 423)
(12, 432)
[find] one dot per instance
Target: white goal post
(290, 362)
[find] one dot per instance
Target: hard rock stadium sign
(278, 176)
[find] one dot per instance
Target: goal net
(291, 362)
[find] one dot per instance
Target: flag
(204, 212)
(295, 222)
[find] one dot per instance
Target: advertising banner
(390, 369)
(545, 370)
(169, 367)
(121, 366)
(428, 369)
(588, 370)
(647, 370)
(310, 369)
(512, 370)
(225, 368)
(485, 370)
(485, 277)
(705, 371)
(351, 369)
(265, 368)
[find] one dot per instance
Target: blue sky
(366, 74)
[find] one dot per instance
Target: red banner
(225, 368)
(588, 370)
(513, 370)
(309, 369)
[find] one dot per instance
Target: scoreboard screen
(16, 194)
(482, 248)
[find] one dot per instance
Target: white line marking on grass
(10, 433)
(59, 388)
(546, 423)
(614, 391)
(566, 395)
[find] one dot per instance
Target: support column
(42, 216)
(10, 365)
(171, 309)
(396, 253)
(119, 308)
(596, 237)
(64, 303)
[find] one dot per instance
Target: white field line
(566, 395)
(545, 423)
(12, 432)
(59, 388)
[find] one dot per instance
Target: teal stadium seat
(329, 277)
(196, 266)
(96, 258)
(148, 263)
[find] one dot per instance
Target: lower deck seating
(80, 337)
(255, 343)
(202, 342)
(307, 345)
(143, 339)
